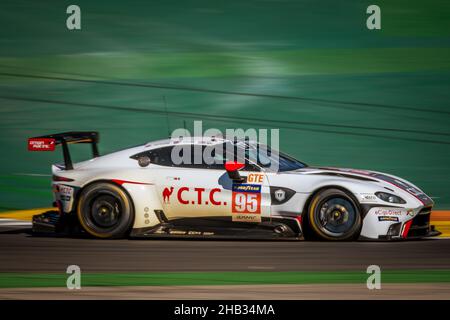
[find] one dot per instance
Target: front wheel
(105, 210)
(334, 215)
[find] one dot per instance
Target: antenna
(167, 116)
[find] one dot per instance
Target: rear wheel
(105, 210)
(334, 215)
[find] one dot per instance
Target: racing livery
(144, 192)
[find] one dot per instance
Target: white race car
(143, 192)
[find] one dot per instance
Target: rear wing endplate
(49, 142)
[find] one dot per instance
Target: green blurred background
(340, 94)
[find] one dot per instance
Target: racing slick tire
(105, 211)
(334, 215)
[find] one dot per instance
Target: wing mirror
(232, 168)
(144, 161)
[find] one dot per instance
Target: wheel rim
(105, 211)
(335, 216)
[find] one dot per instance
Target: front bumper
(431, 233)
(417, 227)
(397, 223)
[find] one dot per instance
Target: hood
(374, 176)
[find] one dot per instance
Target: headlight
(389, 197)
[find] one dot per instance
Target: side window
(216, 159)
(161, 156)
(195, 161)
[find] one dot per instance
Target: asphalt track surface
(239, 292)
(21, 252)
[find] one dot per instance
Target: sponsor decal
(246, 203)
(390, 212)
(200, 233)
(410, 212)
(280, 195)
(368, 197)
(388, 218)
(166, 194)
(247, 218)
(41, 144)
(65, 192)
(177, 232)
(201, 198)
(246, 188)
(65, 195)
(255, 178)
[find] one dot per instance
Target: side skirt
(220, 228)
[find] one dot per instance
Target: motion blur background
(342, 95)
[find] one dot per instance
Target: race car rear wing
(49, 142)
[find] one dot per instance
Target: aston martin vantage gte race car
(143, 192)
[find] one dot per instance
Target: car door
(193, 193)
(206, 191)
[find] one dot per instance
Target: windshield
(264, 156)
(268, 158)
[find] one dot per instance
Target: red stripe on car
(121, 182)
(406, 228)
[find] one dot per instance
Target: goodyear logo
(251, 188)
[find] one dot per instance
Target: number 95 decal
(246, 198)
